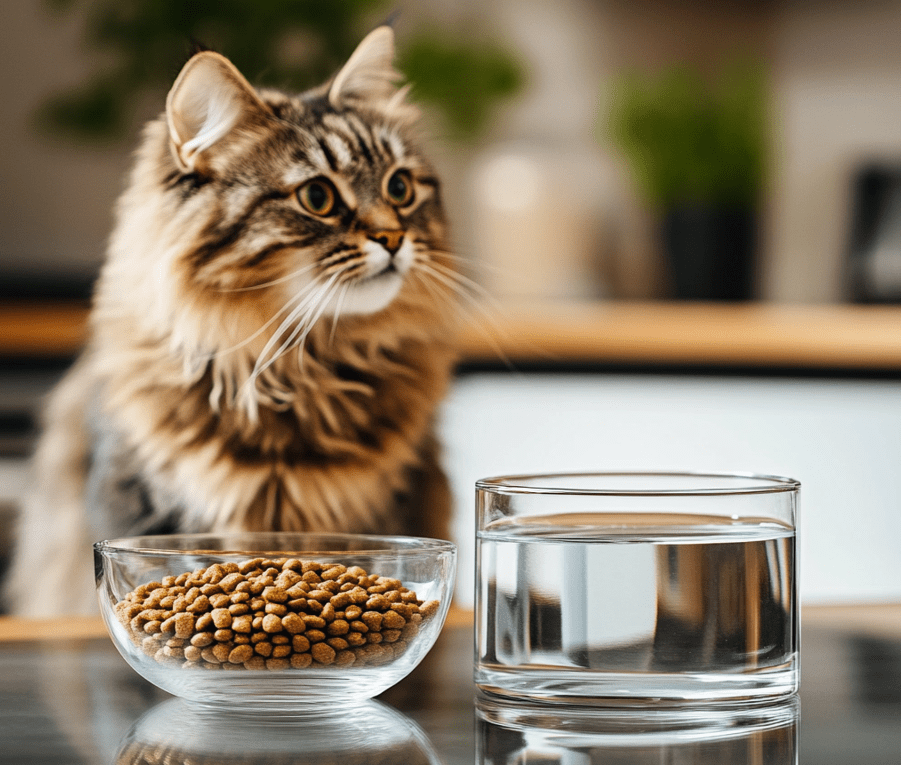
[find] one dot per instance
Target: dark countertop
(68, 698)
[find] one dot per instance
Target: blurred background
(696, 205)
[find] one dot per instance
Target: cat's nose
(390, 240)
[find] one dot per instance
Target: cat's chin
(367, 296)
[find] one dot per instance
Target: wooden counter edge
(882, 619)
(743, 334)
(13, 628)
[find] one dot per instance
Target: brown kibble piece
(200, 604)
(263, 649)
(301, 660)
(223, 636)
(275, 594)
(184, 625)
(276, 664)
(240, 654)
(222, 618)
(377, 603)
(202, 639)
(272, 623)
(372, 619)
(428, 609)
(192, 653)
(293, 624)
(300, 644)
(242, 624)
(393, 620)
(345, 658)
(221, 600)
(338, 627)
(323, 653)
(152, 627)
(255, 662)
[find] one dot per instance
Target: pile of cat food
(273, 614)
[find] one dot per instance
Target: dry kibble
(293, 624)
(152, 627)
(273, 614)
(192, 653)
(323, 653)
(428, 609)
(300, 644)
(338, 627)
(202, 639)
(392, 620)
(372, 619)
(217, 601)
(272, 623)
(239, 654)
(184, 625)
(222, 618)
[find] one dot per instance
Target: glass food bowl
(274, 620)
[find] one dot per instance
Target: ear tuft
(369, 72)
(210, 98)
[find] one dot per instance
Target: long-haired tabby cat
(271, 332)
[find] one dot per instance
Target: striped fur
(252, 363)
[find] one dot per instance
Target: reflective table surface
(66, 696)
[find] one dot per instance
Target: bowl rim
(381, 544)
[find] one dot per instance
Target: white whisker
(251, 338)
(338, 306)
(457, 288)
(280, 280)
(313, 306)
(292, 316)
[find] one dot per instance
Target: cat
(271, 331)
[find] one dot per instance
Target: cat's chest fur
(339, 446)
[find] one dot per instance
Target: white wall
(841, 439)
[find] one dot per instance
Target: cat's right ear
(209, 99)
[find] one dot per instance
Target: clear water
(636, 607)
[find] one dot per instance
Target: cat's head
(254, 216)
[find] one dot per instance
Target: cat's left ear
(369, 73)
(209, 99)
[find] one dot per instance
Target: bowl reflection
(524, 733)
(178, 732)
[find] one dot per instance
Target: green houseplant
(285, 43)
(697, 149)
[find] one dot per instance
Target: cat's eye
(400, 188)
(318, 197)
